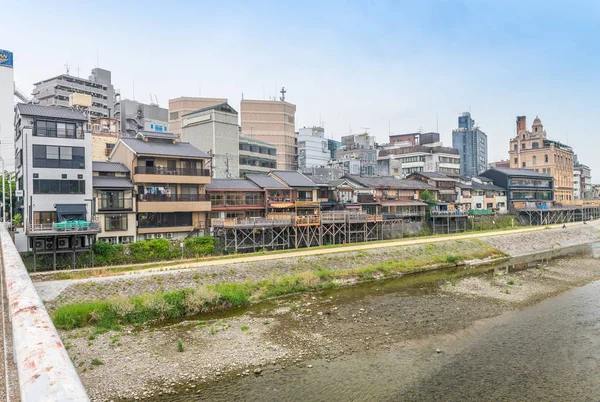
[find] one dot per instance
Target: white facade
(7, 88)
(313, 150)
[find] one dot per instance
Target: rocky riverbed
(290, 333)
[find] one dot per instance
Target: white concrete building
(420, 158)
(215, 131)
(7, 89)
(53, 149)
(313, 148)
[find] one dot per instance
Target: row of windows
(50, 156)
(43, 186)
(58, 130)
(115, 222)
(409, 159)
(164, 220)
(445, 159)
(258, 149)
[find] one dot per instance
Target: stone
(258, 370)
(438, 351)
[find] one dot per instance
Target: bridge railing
(45, 370)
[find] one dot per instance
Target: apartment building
(313, 148)
(471, 143)
(359, 148)
(184, 105)
(170, 179)
(480, 194)
(272, 122)
(135, 117)
(53, 158)
(55, 91)
(105, 133)
(533, 150)
(236, 198)
(256, 156)
(215, 131)
(582, 181)
(445, 185)
(114, 202)
(420, 158)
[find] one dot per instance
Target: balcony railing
(66, 226)
(304, 199)
(169, 171)
(111, 204)
(173, 197)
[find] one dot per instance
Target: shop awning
(70, 212)
(282, 205)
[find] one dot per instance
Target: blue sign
(6, 58)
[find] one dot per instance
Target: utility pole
(3, 195)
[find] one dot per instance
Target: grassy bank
(112, 313)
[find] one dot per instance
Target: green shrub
(200, 300)
(234, 294)
(199, 246)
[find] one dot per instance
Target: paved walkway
(9, 382)
(50, 290)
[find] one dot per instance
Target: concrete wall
(7, 116)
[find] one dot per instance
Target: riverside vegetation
(190, 301)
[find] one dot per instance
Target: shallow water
(548, 351)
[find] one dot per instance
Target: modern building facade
(313, 148)
(170, 178)
(421, 158)
(7, 115)
(215, 131)
(582, 181)
(533, 150)
(55, 91)
(333, 145)
(114, 202)
(184, 105)
(272, 122)
(471, 143)
(256, 156)
(525, 188)
(135, 116)
(53, 148)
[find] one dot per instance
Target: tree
(428, 197)
(10, 186)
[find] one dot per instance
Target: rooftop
(53, 112)
(293, 179)
(254, 141)
(222, 107)
(156, 134)
(435, 176)
(520, 172)
(390, 182)
(115, 167)
(111, 182)
(264, 181)
(179, 149)
(232, 184)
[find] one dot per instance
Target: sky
(382, 66)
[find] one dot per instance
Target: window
(535, 145)
(534, 159)
(546, 158)
(57, 129)
(50, 156)
(515, 147)
(173, 115)
(516, 161)
(524, 164)
(44, 217)
(41, 186)
(164, 220)
(115, 222)
(523, 146)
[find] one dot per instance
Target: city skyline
(389, 66)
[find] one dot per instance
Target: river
(544, 351)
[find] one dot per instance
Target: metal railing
(171, 171)
(173, 197)
(112, 204)
(66, 226)
(257, 222)
(44, 368)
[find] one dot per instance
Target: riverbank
(295, 332)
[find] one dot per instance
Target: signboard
(19, 193)
(6, 58)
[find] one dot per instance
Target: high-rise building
(333, 145)
(214, 130)
(55, 91)
(415, 138)
(184, 105)
(471, 143)
(272, 122)
(135, 117)
(533, 150)
(7, 89)
(256, 156)
(313, 148)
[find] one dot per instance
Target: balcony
(173, 203)
(67, 227)
(111, 204)
(145, 174)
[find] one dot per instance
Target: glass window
(52, 152)
(61, 130)
(66, 153)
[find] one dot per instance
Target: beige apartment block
(184, 105)
(533, 150)
(272, 122)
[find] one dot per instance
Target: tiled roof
(115, 167)
(219, 106)
(232, 184)
(294, 179)
(156, 134)
(265, 181)
(436, 176)
(521, 172)
(111, 182)
(180, 149)
(54, 112)
(391, 182)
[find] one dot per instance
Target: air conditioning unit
(169, 235)
(39, 245)
(49, 244)
(159, 235)
(62, 242)
(79, 242)
(125, 240)
(150, 236)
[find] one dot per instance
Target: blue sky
(352, 64)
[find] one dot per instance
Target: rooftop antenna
(67, 68)
(283, 91)
(77, 71)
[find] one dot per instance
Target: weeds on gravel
(97, 362)
(179, 346)
(510, 282)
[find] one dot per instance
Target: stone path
(9, 382)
